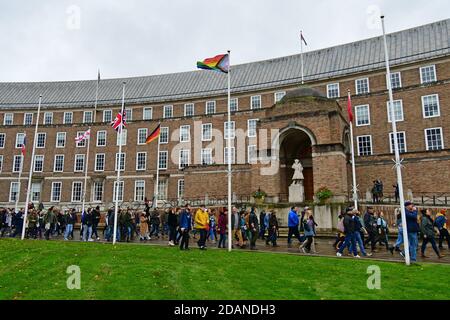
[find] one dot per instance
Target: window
(129, 115)
(40, 141)
(1, 163)
(229, 129)
(188, 109)
(56, 192)
(107, 115)
(396, 80)
(333, 90)
(401, 141)
(210, 107)
(398, 110)
(2, 140)
(225, 156)
(80, 144)
(38, 163)
(124, 138)
(17, 165)
(142, 136)
(434, 139)
(141, 161)
(87, 117)
(77, 189)
(279, 96)
(101, 139)
(428, 74)
(364, 145)
(139, 190)
(162, 190)
(20, 138)
(163, 157)
(252, 123)
(8, 120)
(362, 86)
(430, 106)
(79, 163)
(206, 157)
(58, 165)
(100, 162)
(27, 119)
(362, 115)
(120, 164)
(13, 191)
(184, 159)
(61, 140)
(98, 191)
(252, 153)
(147, 114)
(255, 102)
(48, 118)
(168, 112)
(118, 192)
(234, 104)
(36, 192)
(207, 132)
(164, 137)
(68, 118)
(180, 189)
(185, 133)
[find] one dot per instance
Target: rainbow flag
(218, 63)
(154, 135)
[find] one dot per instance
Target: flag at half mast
(119, 122)
(349, 107)
(83, 137)
(23, 147)
(218, 63)
(154, 135)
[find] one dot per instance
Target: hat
(408, 203)
(443, 211)
(306, 208)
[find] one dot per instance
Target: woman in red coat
(222, 228)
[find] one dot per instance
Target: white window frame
(248, 128)
(164, 135)
(135, 190)
(128, 114)
(356, 115)
(146, 109)
(3, 140)
(250, 160)
(44, 120)
(426, 138)
(213, 102)
(65, 140)
(37, 140)
(96, 162)
(180, 186)
(166, 108)
(159, 159)
(180, 153)
(438, 106)
(71, 117)
(6, 116)
(399, 79)
(20, 136)
(83, 143)
(25, 118)
(185, 129)
(186, 105)
(137, 161)
(1, 163)
(434, 71)
(33, 199)
(368, 86)
(105, 112)
(205, 125)
(252, 98)
(140, 130)
(81, 191)
(338, 90)
(34, 162)
(282, 93)
(94, 191)
(119, 161)
(14, 168)
(371, 145)
(391, 142)
(16, 188)
(227, 134)
(206, 152)
(237, 104)
(389, 114)
(85, 113)
(52, 199)
(97, 138)
(54, 162)
(120, 186)
(79, 156)
(124, 136)
(233, 155)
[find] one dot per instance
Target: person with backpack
(309, 228)
(370, 224)
(350, 238)
(441, 224)
(340, 235)
(427, 229)
(49, 222)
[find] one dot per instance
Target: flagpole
(22, 159)
(155, 196)
(301, 55)
(355, 193)
(396, 149)
(119, 161)
(229, 155)
(31, 168)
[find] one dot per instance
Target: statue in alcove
(298, 172)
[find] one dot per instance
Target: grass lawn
(37, 270)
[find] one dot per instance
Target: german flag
(154, 135)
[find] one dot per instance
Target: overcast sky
(54, 40)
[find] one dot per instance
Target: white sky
(45, 41)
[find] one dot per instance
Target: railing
(424, 198)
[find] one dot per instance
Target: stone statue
(298, 173)
(296, 189)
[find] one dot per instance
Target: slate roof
(419, 43)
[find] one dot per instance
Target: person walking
(427, 229)
(202, 226)
(413, 229)
(383, 230)
(262, 225)
(70, 220)
(235, 222)
(49, 222)
(96, 216)
(350, 238)
(222, 228)
(212, 233)
(185, 227)
(273, 228)
(370, 224)
(253, 225)
(87, 226)
(359, 229)
(143, 227)
(293, 225)
(399, 241)
(441, 224)
(310, 232)
(172, 224)
(32, 224)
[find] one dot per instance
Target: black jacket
(349, 224)
(253, 219)
(172, 220)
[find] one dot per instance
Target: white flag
(83, 137)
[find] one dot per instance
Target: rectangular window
(362, 86)
(206, 157)
(2, 140)
(80, 144)
(98, 191)
(107, 115)
(13, 191)
(141, 161)
(163, 157)
(364, 145)
(255, 102)
(79, 163)
(434, 139)
(252, 154)
(184, 159)
(396, 80)
(124, 138)
(118, 192)
(229, 129)
(61, 140)
(56, 192)
(234, 104)
(120, 164)
(100, 162)
(20, 137)
(40, 141)
(129, 115)
(48, 118)
(38, 163)
(188, 109)
(147, 113)
(17, 165)
(142, 136)
(162, 190)
(77, 189)
(233, 156)
(1, 163)
(68, 118)
(101, 139)
(185, 133)
(8, 119)
(36, 192)
(279, 95)
(333, 91)
(210, 107)
(362, 115)
(168, 112)
(401, 141)
(164, 137)
(398, 110)
(430, 106)
(139, 190)
(252, 123)
(180, 189)
(27, 119)
(87, 117)
(428, 74)
(207, 132)
(58, 165)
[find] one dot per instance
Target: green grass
(37, 270)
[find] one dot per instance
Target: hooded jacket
(441, 221)
(293, 219)
(201, 219)
(427, 226)
(411, 221)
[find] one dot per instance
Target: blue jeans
(413, 239)
(350, 238)
(212, 234)
(69, 229)
(87, 232)
(399, 238)
(360, 243)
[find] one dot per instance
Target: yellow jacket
(201, 219)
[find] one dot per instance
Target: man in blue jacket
(185, 227)
(413, 228)
(293, 224)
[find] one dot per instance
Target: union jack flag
(120, 121)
